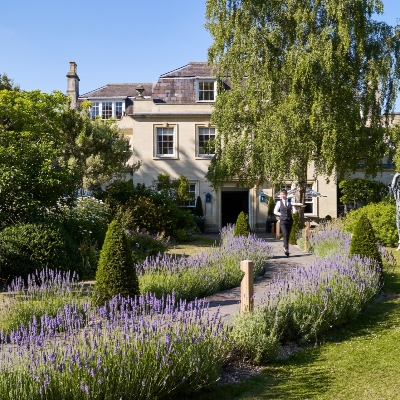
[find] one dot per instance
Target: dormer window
(206, 90)
(107, 109)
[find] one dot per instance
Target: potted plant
(271, 218)
(199, 214)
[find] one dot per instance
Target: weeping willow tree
(309, 82)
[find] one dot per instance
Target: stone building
(168, 123)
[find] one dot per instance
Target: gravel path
(229, 300)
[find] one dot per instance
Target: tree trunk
(301, 196)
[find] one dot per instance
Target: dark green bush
(155, 214)
(271, 206)
(363, 241)
(295, 229)
(242, 227)
(199, 207)
(116, 272)
(143, 244)
(25, 248)
(382, 217)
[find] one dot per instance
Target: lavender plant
(205, 273)
(138, 348)
(306, 302)
(43, 293)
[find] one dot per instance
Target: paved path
(229, 300)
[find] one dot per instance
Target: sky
(128, 42)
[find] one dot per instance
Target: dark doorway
(232, 204)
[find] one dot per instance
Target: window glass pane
(106, 110)
(205, 146)
(94, 109)
(309, 201)
(206, 91)
(192, 190)
(118, 110)
(165, 141)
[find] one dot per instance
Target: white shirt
(278, 206)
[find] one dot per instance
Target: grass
(358, 361)
(195, 247)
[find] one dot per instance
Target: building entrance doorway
(232, 204)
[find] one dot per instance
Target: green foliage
(362, 191)
(7, 84)
(144, 245)
(155, 213)
(295, 229)
(292, 73)
(242, 227)
(271, 206)
(116, 272)
(176, 189)
(48, 151)
(363, 241)
(26, 248)
(382, 217)
(252, 339)
(199, 207)
(87, 223)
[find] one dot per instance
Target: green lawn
(191, 248)
(358, 361)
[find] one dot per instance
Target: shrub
(271, 206)
(295, 229)
(382, 217)
(87, 224)
(26, 248)
(156, 213)
(242, 227)
(199, 207)
(143, 244)
(116, 272)
(363, 241)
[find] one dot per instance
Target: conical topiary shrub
(295, 228)
(242, 227)
(116, 272)
(363, 241)
(199, 207)
(271, 206)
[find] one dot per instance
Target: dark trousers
(286, 227)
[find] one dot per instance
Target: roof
(118, 90)
(193, 69)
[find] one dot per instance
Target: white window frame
(99, 108)
(192, 203)
(310, 200)
(199, 83)
(198, 154)
(174, 128)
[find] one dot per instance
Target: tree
(48, 151)
(177, 189)
(362, 191)
(7, 84)
(309, 82)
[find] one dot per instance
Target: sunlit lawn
(359, 361)
(191, 248)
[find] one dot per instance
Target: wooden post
(278, 230)
(273, 230)
(307, 242)
(246, 286)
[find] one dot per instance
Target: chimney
(73, 84)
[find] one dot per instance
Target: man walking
(284, 210)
